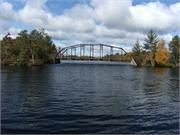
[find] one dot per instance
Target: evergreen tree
(151, 44)
(138, 53)
(137, 49)
(36, 44)
(23, 42)
(174, 48)
(33, 43)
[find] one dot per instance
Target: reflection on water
(89, 98)
(160, 71)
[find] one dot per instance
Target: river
(89, 97)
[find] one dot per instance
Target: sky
(112, 22)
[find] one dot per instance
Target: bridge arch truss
(93, 52)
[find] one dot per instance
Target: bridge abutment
(133, 63)
(56, 60)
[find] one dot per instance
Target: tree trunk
(174, 59)
(175, 63)
(32, 58)
(152, 63)
(152, 59)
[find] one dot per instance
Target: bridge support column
(111, 53)
(56, 60)
(133, 63)
(90, 51)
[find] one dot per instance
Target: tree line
(32, 48)
(36, 47)
(154, 53)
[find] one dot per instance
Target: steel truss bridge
(100, 52)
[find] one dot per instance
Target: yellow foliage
(148, 57)
(5, 60)
(161, 53)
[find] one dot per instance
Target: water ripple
(93, 99)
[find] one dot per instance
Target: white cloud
(33, 16)
(114, 22)
(68, 24)
(120, 41)
(60, 45)
(156, 16)
(112, 13)
(66, 44)
(38, 17)
(76, 12)
(167, 38)
(84, 37)
(14, 31)
(128, 49)
(60, 35)
(102, 31)
(7, 14)
(122, 15)
(5, 29)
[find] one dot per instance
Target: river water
(89, 97)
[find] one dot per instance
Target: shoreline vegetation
(36, 48)
(154, 53)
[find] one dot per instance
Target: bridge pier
(133, 63)
(56, 60)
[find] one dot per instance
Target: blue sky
(113, 22)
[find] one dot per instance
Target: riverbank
(144, 60)
(40, 63)
(167, 65)
(37, 62)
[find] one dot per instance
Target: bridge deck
(95, 59)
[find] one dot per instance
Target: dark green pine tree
(174, 48)
(138, 53)
(137, 48)
(151, 44)
(151, 41)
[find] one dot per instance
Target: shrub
(169, 65)
(23, 63)
(139, 59)
(6, 61)
(38, 62)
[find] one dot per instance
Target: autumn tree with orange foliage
(161, 53)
